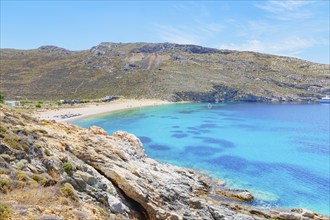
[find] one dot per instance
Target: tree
(1, 97)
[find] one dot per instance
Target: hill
(51, 170)
(163, 71)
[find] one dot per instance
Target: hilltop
(51, 170)
(159, 71)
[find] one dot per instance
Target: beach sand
(76, 112)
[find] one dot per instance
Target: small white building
(13, 103)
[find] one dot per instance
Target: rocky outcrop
(103, 48)
(50, 48)
(107, 177)
(187, 48)
(219, 93)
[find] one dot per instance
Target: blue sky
(291, 28)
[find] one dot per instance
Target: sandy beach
(75, 112)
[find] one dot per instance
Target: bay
(280, 152)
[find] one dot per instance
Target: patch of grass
(6, 157)
(4, 185)
(47, 152)
(38, 178)
(21, 176)
(68, 191)
(48, 182)
(3, 131)
(1, 97)
(13, 142)
(45, 197)
(21, 164)
(17, 184)
(5, 211)
(68, 168)
(23, 102)
(38, 133)
(102, 211)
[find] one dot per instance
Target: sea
(279, 152)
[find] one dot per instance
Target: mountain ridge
(168, 71)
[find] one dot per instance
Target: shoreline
(68, 114)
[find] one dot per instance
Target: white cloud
(288, 46)
(197, 33)
(178, 35)
(286, 10)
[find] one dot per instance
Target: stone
(3, 163)
(77, 182)
(246, 196)
(97, 130)
(88, 178)
(195, 203)
(32, 168)
(116, 206)
(307, 213)
(260, 213)
(289, 216)
(243, 195)
(49, 217)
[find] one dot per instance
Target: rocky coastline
(51, 170)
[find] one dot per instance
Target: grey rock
(88, 178)
(195, 203)
(3, 163)
(50, 48)
(289, 216)
(77, 182)
(116, 206)
(49, 217)
(308, 214)
(165, 47)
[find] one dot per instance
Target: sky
(290, 28)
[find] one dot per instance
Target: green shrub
(1, 97)
(6, 157)
(3, 131)
(17, 184)
(68, 191)
(4, 185)
(21, 176)
(48, 182)
(38, 178)
(68, 168)
(5, 211)
(13, 142)
(23, 102)
(38, 105)
(101, 210)
(47, 152)
(21, 164)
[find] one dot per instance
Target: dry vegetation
(160, 71)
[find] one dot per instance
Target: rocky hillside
(51, 170)
(162, 71)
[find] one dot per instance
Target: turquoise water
(280, 152)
